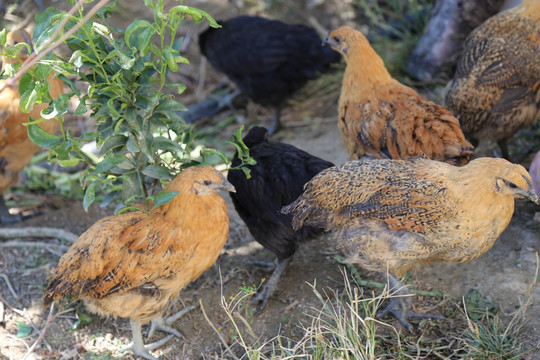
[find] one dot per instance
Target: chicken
(381, 118)
(496, 87)
(534, 170)
(131, 264)
(268, 60)
(277, 179)
(16, 149)
(390, 215)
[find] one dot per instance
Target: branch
(41, 335)
(38, 232)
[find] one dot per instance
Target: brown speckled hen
(130, 265)
(16, 149)
(496, 87)
(390, 215)
(382, 118)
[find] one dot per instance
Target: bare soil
(503, 275)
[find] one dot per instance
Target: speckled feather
(496, 87)
(393, 214)
(382, 118)
(129, 265)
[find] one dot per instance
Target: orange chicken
(130, 265)
(16, 149)
(496, 87)
(382, 118)
(390, 215)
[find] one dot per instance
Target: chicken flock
(412, 194)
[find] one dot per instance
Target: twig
(42, 334)
(6, 279)
(38, 232)
(38, 244)
(227, 347)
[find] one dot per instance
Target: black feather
(268, 60)
(276, 180)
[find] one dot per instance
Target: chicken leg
(276, 124)
(268, 289)
(400, 304)
(137, 345)
(158, 323)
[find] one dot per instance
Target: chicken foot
(159, 323)
(263, 295)
(137, 346)
(5, 216)
(400, 304)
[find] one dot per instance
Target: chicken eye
(337, 40)
(512, 185)
(207, 182)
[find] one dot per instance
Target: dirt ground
(503, 275)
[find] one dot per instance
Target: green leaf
(124, 60)
(157, 172)
(247, 172)
(180, 88)
(170, 60)
(3, 35)
(28, 99)
(164, 197)
(126, 209)
(196, 14)
(162, 143)
(23, 330)
(42, 138)
(82, 319)
(131, 145)
(109, 162)
(26, 83)
(170, 105)
(112, 143)
(130, 186)
(72, 161)
(89, 195)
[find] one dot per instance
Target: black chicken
(276, 180)
(268, 60)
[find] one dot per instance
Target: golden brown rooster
(382, 118)
(16, 149)
(390, 215)
(130, 265)
(496, 87)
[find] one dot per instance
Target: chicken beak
(327, 40)
(531, 195)
(227, 186)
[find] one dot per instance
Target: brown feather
(397, 213)
(145, 259)
(382, 118)
(496, 87)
